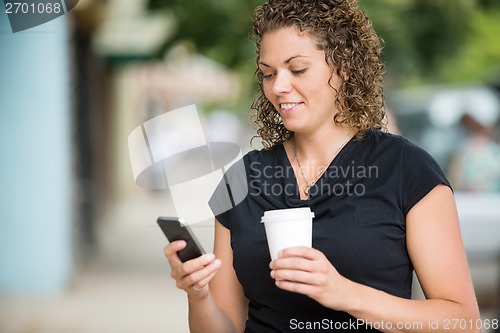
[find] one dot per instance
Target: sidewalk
(125, 288)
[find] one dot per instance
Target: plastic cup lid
(287, 214)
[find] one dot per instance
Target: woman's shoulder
(379, 136)
(394, 141)
(380, 143)
(263, 155)
(392, 147)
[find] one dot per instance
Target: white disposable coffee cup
(287, 228)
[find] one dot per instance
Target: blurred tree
(218, 28)
(478, 59)
(422, 37)
(489, 4)
(418, 34)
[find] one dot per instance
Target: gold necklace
(322, 169)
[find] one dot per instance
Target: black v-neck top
(360, 204)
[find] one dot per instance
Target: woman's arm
(435, 247)
(218, 304)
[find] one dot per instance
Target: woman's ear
(343, 74)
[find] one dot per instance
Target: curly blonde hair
(351, 47)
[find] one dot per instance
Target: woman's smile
(288, 108)
(297, 80)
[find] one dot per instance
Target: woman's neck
(317, 146)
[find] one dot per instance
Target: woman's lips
(287, 108)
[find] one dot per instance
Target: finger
(294, 263)
(299, 276)
(196, 264)
(296, 287)
(181, 270)
(205, 281)
(301, 251)
(200, 277)
(171, 250)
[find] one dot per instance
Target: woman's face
(296, 80)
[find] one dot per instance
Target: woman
(382, 205)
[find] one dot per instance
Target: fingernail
(272, 274)
(217, 263)
(210, 256)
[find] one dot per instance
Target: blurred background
(79, 247)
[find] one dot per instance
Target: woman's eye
(299, 71)
(267, 76)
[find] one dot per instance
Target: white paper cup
(287, 228)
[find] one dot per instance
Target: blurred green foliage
(428, 41)
(478, 58)
(418, 34)
(219, 29)
(425, 40)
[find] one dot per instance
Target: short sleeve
(420, 174)
(220, 196)
(230, 191)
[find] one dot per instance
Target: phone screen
(174, 230)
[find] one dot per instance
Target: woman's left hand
(307, 271)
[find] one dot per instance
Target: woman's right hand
(194, 275)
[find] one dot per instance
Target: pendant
(306, 191)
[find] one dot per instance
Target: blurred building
(72, 91)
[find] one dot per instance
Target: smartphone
(175, 229)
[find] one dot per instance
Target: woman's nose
(281, 84)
